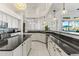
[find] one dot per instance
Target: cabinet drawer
(61, 52)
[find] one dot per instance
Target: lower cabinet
(21, 50)
(6, 53)
(26, 47)
(60, 51)
(17, 51)
(54, 49)
(51, 49)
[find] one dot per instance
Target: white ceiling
(41, 9)
(33, 9)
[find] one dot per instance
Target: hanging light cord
(63, 6)
(54, 12)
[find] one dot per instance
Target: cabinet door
(12, 42)
(6, 53)
(16, 23)
(1, 16)
(24, 49)
(51, 47)
(9, 20)
(4, 17)
(9, 46)
(60, 51)
(16, 41)
(18, 51)
(26, 46)
(57, 52)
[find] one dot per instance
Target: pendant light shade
(54, 15)
(64, 10)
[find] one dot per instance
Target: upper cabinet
(14, 23)
(11, 21)
(4, 17)
(0, 16)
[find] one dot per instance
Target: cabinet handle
(58, 50)
(22, 44)
(54, 49)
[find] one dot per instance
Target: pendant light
(64, 10)
(54, 14)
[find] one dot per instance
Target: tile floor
(38, 49)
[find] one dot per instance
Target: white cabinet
(60, 51)
(24, 49)
(51, 47)
(4, 17)
(17, 51)
(12, 42)
(1, 16)
(16, 23)
(15, 41)
(54, 49)
(9, 21)
(6, 53)
(26, 46)
(12, 22)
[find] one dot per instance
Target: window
(70, 25)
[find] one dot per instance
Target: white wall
(34, 24)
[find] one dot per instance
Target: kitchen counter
(68, 44)
(72, 33)
(11, 46)
(68, 41)
(65, 46)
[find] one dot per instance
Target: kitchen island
(16, 46)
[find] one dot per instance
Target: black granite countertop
(8, 47)
(69, 44)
